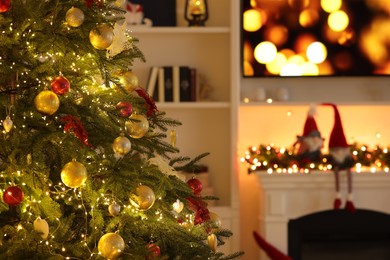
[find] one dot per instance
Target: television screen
(315, 38)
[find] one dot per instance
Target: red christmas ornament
(4, 5)
(153, 251)
(126, 109)
(60, 85)
(195, 185)
(13, 195)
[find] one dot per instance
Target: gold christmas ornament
(74, 174)
(8, 124)
(114, 209)
(137, 126)
(121, 145)
(111, 245)
(215, 222)
(74, 17)
(41, 227)
(101, 36)
(120, 3)
(47, 102)
(212, 241)
(128, 80)
(178, 206)
(144, 198)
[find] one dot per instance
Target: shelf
(196, 105)
(179, 30)
(302, 103)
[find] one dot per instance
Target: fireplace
(340, 235)
(290, 199)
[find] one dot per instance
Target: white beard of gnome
(341, 156)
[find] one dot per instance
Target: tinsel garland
(270, 158)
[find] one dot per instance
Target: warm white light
(338, 21)
(330, 6)
(316, 52)
(265, 52)
(252, 20)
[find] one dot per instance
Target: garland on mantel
(273, 159)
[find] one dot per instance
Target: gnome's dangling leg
(337, 200)
(349, 204)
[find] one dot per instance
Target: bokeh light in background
(315, 37)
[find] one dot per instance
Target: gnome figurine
(341, 159)
(310, 142)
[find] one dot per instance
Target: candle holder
(196, 12)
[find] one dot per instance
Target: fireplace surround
(293, 197)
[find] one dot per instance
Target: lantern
(196, 12)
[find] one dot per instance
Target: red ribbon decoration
(202, 213)
(73, 124)
(150, 104)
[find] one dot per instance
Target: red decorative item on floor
(269, 249)
(60, 85)
(195, 185)
(13, 195)
(4, 5)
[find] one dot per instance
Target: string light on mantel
(286, 160)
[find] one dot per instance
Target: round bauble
(60, 85)
(114, 209)
(13, 195)
(154, 251)
(101, 37)
(4, 5)
(120, 3)
(111, 245)
(47, 102)
(195, 185)
(41, 227)
(8, 124)
(74, 174)
(144, 197)
(121, 145)
(214, 222)
(138, 126)
(74, 17)
(125, 109)
(128, 80)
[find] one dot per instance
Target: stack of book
(172, 84)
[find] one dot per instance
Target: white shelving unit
(207, 126)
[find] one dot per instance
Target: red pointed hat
(337, 137)
(310, 124)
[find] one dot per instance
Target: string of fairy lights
(285, 160)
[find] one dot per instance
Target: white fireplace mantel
(288, 196)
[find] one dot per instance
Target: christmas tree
(86, 171)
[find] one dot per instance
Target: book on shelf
(194, 88)
(172, 84)
(152, 80)
(161, 86)
(168, 83)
